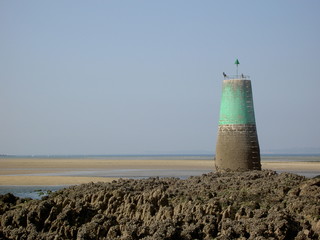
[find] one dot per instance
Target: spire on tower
(237, 63)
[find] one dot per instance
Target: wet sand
(46, 165)
(32, 171)
(21, 171)
(292, 166)
(49, 180)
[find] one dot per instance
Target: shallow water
(34, 192)
(31, 191)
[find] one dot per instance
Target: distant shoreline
(150, 156)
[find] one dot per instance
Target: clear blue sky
(145, 77)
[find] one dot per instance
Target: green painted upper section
(236, 103)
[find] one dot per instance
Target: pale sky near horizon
(145, 77)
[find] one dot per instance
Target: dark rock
(231, 205)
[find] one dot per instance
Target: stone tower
(237, 144)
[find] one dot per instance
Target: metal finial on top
(237, 63)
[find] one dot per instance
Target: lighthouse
(237, 146)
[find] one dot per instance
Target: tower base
(237, 148)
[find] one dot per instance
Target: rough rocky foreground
(249, 205)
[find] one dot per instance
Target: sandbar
(292, 166)
(9, 166)
(32, 171)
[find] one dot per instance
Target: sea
(37, 192)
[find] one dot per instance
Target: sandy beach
(44, 165)
(35, 171)
(21, 171)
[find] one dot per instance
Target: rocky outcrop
(248, 205)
